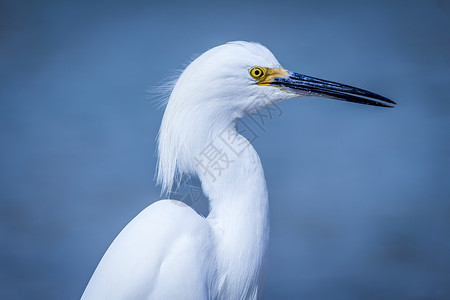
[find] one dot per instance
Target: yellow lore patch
(265, 76)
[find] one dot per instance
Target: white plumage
(169, 251)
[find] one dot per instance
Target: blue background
(360, 196)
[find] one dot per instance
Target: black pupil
(257, 72)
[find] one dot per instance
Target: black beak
(310, 86)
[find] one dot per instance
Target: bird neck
(233, 179)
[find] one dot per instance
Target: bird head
(224, 84)
(241, 77)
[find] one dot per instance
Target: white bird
(169, 251)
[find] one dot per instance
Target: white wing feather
(166, 252)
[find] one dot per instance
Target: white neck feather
(240, 220)
(237, 196)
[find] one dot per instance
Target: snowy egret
(169, 251)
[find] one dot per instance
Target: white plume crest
(214, 89)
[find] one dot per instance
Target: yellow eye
(257, 72)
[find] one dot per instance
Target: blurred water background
(360, 196)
